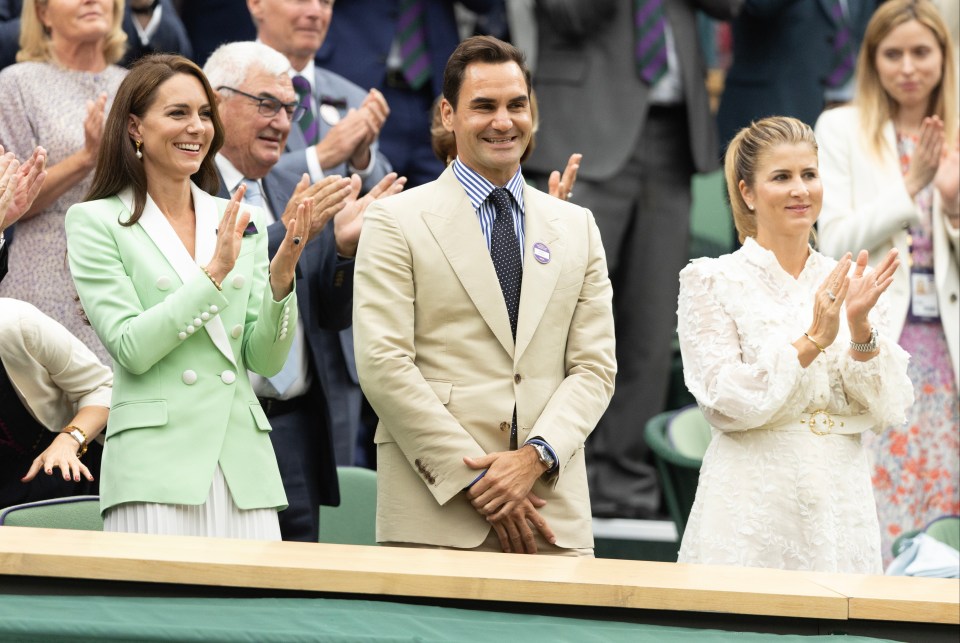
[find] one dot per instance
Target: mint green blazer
(182, 401)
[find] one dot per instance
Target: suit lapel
(453, 223)
(539, 279)
(155, 224)
(826, 6)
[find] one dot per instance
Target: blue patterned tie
(843, 55)
(650, 30)
(505, 252)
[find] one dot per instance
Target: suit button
(204, 316)
(163, 282)
(190, 330)
(213, 309)
(198, 322)
(238, 281)
(517, 378)
(953, 298)
(182, 335)
(228, 377)
(504, 426)
(189, 377)
(237, 331)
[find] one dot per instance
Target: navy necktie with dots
(505, 252)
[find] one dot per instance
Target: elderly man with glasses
(258, 107)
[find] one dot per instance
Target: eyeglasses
(269, 106)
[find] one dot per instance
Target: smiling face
(253, 142)
(786, 193)
(909, 64)
(295, 28)
(76, 21)
(176, 129)
(492, 124)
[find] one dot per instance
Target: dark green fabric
(97, 618)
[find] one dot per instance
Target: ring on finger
(831, 295)
(297, 239)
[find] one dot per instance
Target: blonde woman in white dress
(785, 351)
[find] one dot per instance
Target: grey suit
(635, 176)
(330, 85)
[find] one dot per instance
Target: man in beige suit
(484, 335)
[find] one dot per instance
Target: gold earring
(139, 153)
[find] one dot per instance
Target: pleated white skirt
(218, 517)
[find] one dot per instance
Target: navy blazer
(362, 31)
(170, 37)
(325, 301)
(782, 53)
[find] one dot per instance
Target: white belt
(821, 422)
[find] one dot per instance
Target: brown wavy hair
(117, 164)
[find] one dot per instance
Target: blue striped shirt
(478, 189)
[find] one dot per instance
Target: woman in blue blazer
(177, 286)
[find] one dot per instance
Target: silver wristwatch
(868, 346)
(544, 454)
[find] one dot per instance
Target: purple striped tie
(843, 56)
(650, 29)
(411, 36)
(308, 122)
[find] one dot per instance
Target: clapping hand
(947, 178)
(562, 186)
(926, 157)
(284, 263)
(19, 184)
(229, 237)
(329, 196)
(865, 290)
(827, 303)
(349, 222)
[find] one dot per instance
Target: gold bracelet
(215, 283)
(73, 430)
(815, 343)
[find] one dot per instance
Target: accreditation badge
(923, 295)
(330, 114)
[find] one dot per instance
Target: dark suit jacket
(210, 23)
(782, 52)
(362, 31)
(591, 99)
(325, 300)
(170, 36)
(3, 260)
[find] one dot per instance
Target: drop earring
(139, 153)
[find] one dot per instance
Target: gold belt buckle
(821, 418)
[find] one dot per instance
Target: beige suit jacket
(438, 363)
(53, 372)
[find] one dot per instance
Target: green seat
(689, 432)
(946, 529)
(71, 512)
(679, 473)
(711, 223)
(354, 522)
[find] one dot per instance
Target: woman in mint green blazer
(176, 284)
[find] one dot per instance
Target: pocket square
(250, 230)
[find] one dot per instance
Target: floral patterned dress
(44, 104)
(770, 496)
(916, 472)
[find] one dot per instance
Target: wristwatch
(544, 454)
(77, 434)
(868, 346)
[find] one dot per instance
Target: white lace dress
(773, 498)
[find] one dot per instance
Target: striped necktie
(411, 36)
(308, 122)
(650, 30)
(843, 55)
